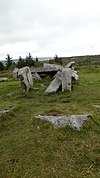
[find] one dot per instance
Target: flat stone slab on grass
(6, 110)
(3, 111)
(74, 121)
(3, 79)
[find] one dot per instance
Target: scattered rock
(6, 110)
(96, 106)
(3, 111)
(10, 94)
(3, 79)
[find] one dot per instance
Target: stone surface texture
(73, 121)
(25, 77)
(15, 73)
(66, 79)
(3, 79)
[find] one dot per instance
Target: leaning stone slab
(55, 84)
(35, 76)
(3, 79)
(73, 121)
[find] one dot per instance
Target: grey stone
(66, 79)
(52, 66)
(73, 121)
(35, 76)
(3, 112)
(10, 94)
(6, 110)
(15, 73)
(3, 79)
(70, 64)
(55, 84)
(75, 75)
(96, 106)
(25, 77)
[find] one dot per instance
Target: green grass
(31, 148)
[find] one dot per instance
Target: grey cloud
(45, 24)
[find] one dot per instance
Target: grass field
(31, 148)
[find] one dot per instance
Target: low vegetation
(32, 148)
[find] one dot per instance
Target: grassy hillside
(83, 60)
(31, 148)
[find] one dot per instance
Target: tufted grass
(31, 148)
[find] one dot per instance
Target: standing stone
(66, 79)
(25, 77)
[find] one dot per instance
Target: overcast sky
(49, 27)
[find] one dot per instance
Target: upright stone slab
(25, 77)
(66, 79)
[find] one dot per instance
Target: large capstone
(52, 66)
